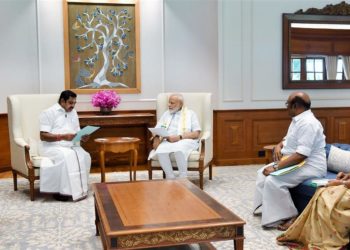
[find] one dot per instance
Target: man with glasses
(304, 141)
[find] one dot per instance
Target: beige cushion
(338, 160)
(39, 161)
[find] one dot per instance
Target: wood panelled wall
(5, 157)
(240, 135)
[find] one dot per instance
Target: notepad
(159, 131)
(85, 131)
(285, 170)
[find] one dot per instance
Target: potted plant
(106, 100)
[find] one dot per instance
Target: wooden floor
(8, 174)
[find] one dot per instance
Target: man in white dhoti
(304, 141)
(67, 174)
(184, 129)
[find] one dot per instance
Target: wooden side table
(118, 145)
(268, 153)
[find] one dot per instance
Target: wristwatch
(275, 166)
(180, 137)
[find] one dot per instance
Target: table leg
(135, 163)
(238, 243)
(102, 165)
(97, 219)
(130, 164)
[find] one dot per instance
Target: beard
(174, 110)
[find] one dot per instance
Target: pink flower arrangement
(106, 99)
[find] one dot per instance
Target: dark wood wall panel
(239, 135)
(266, 133)
(253, 128)
(5, 157)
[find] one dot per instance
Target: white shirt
(56, 120)
(305, 136)
(174, 119)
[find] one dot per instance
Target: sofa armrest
(206, 147)
(21, 142)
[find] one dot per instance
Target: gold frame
(69, 84)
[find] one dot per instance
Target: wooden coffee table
(147, 214)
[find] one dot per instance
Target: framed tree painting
(101, 45)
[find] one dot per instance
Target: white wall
(191, 45)
(250, 49)
(18, 49)
(232, 48)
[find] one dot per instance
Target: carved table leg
(102, 165)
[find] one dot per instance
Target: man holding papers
(67, 173)
(304, 141)
(177, 133)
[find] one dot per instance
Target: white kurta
(68, 175)
(177, 123)
(305, 136)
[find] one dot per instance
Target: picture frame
(102, 45)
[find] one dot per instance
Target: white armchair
(23, 121)
(199, 160)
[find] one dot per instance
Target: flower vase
(105, 110)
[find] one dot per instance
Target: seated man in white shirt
(68, 174)
(304, 141)
(184, 129)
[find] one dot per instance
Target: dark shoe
(284, 226)
(60, 197)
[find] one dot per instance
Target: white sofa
(23, 122)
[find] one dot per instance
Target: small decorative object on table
(106, 100)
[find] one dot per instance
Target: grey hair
(179, 96)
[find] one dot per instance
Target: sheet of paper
(285, 170)
(319, 182)
(159, 131)
(85, 131)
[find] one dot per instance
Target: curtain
(346, 66)
(331, 67)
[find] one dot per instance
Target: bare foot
(284, 226)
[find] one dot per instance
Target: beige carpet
(49, 224)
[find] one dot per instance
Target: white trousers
(272, 194)
(69, 173)
(181, 150)
(165, 163)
